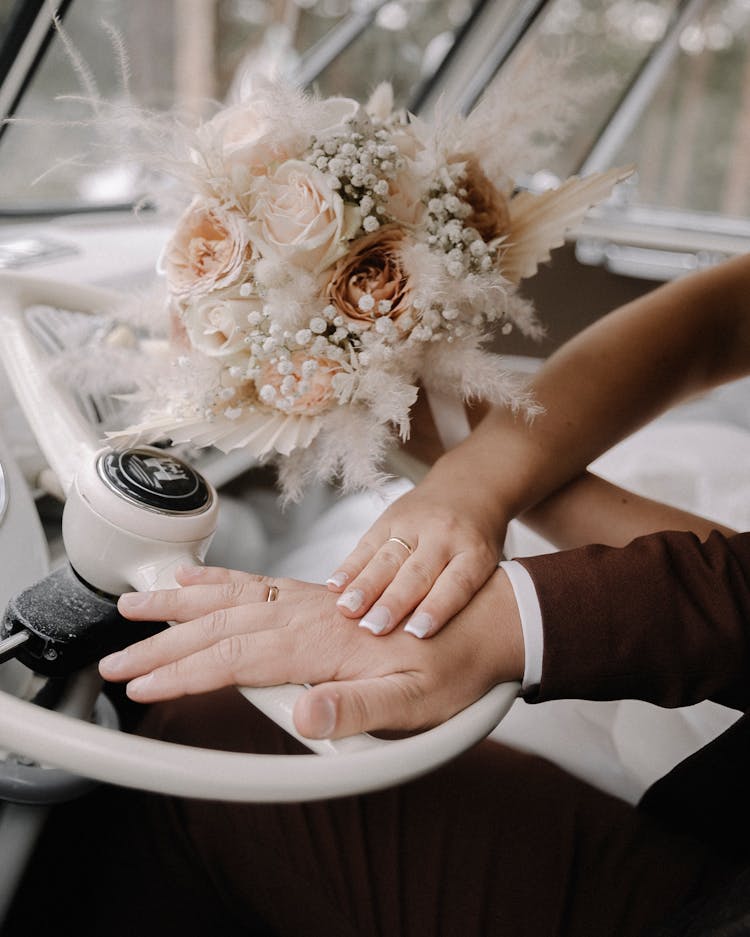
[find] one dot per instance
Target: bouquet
(333, 259)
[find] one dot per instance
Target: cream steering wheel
(148, 545)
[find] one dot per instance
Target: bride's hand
(229, 633)
(425, 557)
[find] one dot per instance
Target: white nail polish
(420, 624)
(377, 619)
(352, 600)
(337, 579)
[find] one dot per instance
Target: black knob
(154, 480)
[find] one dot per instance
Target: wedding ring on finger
(273, 594)
(407, 546)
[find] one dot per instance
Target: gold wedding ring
(273, 594)
(408, 547)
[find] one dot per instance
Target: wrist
(493, 622)
(472, 473)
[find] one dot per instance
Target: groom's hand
(229, 633)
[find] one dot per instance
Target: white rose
(250, 141)
(301, 219)
(209, 250)
(217, 326)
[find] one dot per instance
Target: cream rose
(299, 387)
(209, 250)
(250, 140)
(217, 326)
(370, 282)
(301, 219)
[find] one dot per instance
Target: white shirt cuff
(531, 621)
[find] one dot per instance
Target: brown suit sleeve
(665, 619)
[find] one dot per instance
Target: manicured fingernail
(337, 579)
(130, 601)
(113, 663)
(352, 600)
(140, 686)
(190, 572)
(322, 718)
(377, 619)
(420, 625)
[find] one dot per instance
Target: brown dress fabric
(496, 843)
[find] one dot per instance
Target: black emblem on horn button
(155, 480)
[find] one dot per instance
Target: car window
(691, 141)
(189, 59)
(666, 85)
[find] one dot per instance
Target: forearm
(615, 376)
(664, 620)
(592, 510)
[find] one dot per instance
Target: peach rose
(209, 250)
(301, 389)
(370, 281)
(217, 326)
(301, 219)
(490, 215)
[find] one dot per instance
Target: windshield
(670, 83)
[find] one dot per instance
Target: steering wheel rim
(361, 763)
